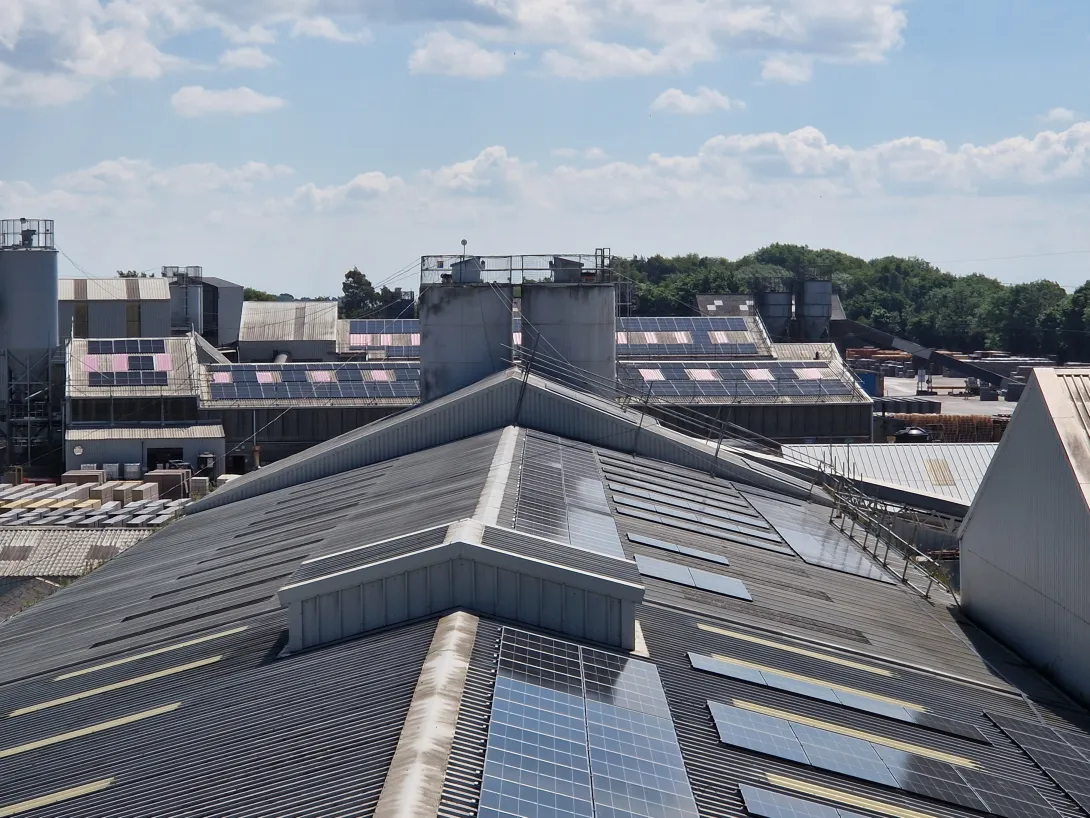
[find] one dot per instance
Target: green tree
(251, 294)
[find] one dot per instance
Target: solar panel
(328, 381)
(565, 716)
(725, 379)
(561, 496)
(769, 804)
(139, 378)
(1062, 761)
(713, 520)
(678, 549)
(690, 338)
(695, 505)
(127, 346)
(707, 531)
(692, 577)
(877, 762)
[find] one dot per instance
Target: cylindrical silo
(571, 329)
(28, 285)
(775, 311)
(817, 309)
(465, 335)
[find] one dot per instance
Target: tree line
(908, 297)
(359, 298)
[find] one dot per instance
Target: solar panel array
(696, 553)
(724, 379)
(320, 381)
(770, 804)
(1063, 755)
(686, 337)
(561, 496)
(888, 762)
(693, 577)
(127, 346)
(815, 689)
(397, 337)
(580, 732)
(139, 378)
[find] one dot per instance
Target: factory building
(288, 330)
(122, 307)
(522, 600)
(1025, 544)
(211, 307)
(151, 447)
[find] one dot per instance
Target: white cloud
(791, 69)
(66, 47)
(704, 101)
(911, 195)
(325, 29)
(195, 101)
(1060, 115)
(246, 57)
(442, 53)
(589, 154)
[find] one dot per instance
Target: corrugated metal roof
(947, 469)
(113, 289)
(61, 552)
(288, 321)
(727, 304)
(183, 374)
(196, 432)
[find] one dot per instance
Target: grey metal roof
(201, 431)
(288, 321)
(183, 374)
(162, 675)
(56, 551)
(219, 282)
(113, 289)
(947, 469)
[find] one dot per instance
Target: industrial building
(519, 599)
(288, 330)
(123, 307)
(1025, 559)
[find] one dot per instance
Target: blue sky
(280, 142)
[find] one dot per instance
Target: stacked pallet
(959, 428)
(118, 503)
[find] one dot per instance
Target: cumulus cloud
(323, 28)
(704, 101)
(590, 154)
(1060, 115)
(791, 69)
(442, 53)
(196, 101)
(246, 57)
(53, 51)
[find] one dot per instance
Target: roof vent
(487, 569)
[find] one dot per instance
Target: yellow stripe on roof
(198, 641)
(845, 798)
(55, 798)
(87, 731)
(863, 735)
(86, 694)
(813, 654)
(799, 677)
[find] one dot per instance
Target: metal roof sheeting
(288, 321)
(183, 378)
(113, 289)
(195, 432)
(952, 470)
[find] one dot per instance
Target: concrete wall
(575, 323)
(28, 299)
(465, 335)
(1025, 545)
(136, 451)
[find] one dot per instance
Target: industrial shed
(1025, 544)
(122, 307)
(475, 610)
(301, 330)
(147, 445)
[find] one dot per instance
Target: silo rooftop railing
(567, 268)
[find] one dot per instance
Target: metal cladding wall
(109, 319)
(28, 299)
(228, 311)
(1025, 545)
(575, 323)
(299, 351)
(817, 308)
(136, 451)
(465, 335)
(775, 311)
(186, 306)
(787, 423)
